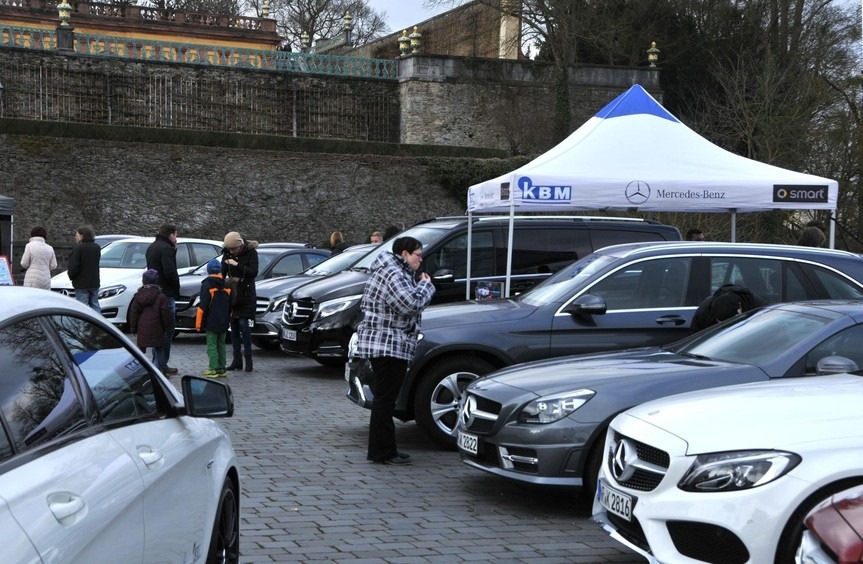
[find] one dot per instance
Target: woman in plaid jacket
(392, 303)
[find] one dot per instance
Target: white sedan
(101, 458)
(122, 264)
(728, 475)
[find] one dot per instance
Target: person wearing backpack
(214, 317)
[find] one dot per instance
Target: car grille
(297, 312)
(644, 472)
(261, 306)
(65, 291)
(478, 414)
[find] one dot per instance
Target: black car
(274, 260)
(620, 297)
(544, 422)
(320, 317)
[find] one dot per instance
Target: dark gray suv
(620, 297)
(320, 317)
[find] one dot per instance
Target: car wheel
(225, 541)
(266, 343)
(793, 532)
(437, 398)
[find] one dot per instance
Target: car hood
(107, 277)
(777, 414)
(338, 285)
(473, 312)
(638, 367)
(282, 285)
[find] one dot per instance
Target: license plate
(289, 335)
(467, 442)
(615, 502)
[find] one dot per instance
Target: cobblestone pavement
(309, 495)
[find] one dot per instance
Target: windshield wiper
(695, 356)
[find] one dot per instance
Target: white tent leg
(733, 226)
(469, 247)
(832, 243)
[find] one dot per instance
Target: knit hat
(232, 240)
(151, 276)
(214, 266)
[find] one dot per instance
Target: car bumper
(534, 454)
(312, 342)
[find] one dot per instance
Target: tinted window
(659, 283)
(541, 251)
(37, 399)
(290, 264)
(836, 286)
(183, 259)
(771, 279)
(846, 343)
(606, 237)
(121, 385)
(453, 256)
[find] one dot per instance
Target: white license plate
(289, 335)
(467, 442)
(615, 502)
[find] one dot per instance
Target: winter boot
(248, 363)
(236, 364)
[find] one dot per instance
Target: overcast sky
(402, 14)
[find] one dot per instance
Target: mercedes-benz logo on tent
(637, 192)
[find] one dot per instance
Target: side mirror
(443, 275)
(203, 397)
(835, 365)
(588, 304)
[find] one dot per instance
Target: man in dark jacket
(727, 301)
(84, 267)
(162, 257)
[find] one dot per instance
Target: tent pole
(509, 246)
(832, 244)
(733, 226)
(469, 247)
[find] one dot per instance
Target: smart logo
(799, 193)
(530, 194)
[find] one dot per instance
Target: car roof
(288, 245)
(18, 300)
(179, 240)
(652, 248)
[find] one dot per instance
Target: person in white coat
(39, 260)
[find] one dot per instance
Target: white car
(122, 264)
(101, 458)
(728, 474)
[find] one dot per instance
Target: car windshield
(561, 285)
(425, 234)
(125, 255)
(335, 263)
(756, 337)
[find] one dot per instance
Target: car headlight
(278, 303)
(737, 470)
(332, 307)
(549, 409)
(111, 291)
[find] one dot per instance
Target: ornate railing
(189, 53)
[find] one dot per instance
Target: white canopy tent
(634, 155)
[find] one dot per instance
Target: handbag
(234, 284)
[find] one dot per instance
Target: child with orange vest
(214, 317)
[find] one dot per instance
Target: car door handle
(670, 320)
(149, 456)
(65, 505)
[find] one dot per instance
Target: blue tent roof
(636, 100)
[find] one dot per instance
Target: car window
(845, 343)
(37, 399)
(657, 283)
(122, 386)
(452, 255)
(288, 264)
(203, 252)
(183, 258)
(836, 286)
(314, 259)
(542, 251)
(128, 255)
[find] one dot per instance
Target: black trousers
(388, 374)
(241, 334)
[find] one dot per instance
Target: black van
(319, 317)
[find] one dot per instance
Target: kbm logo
(796, 193)
(531, 194)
